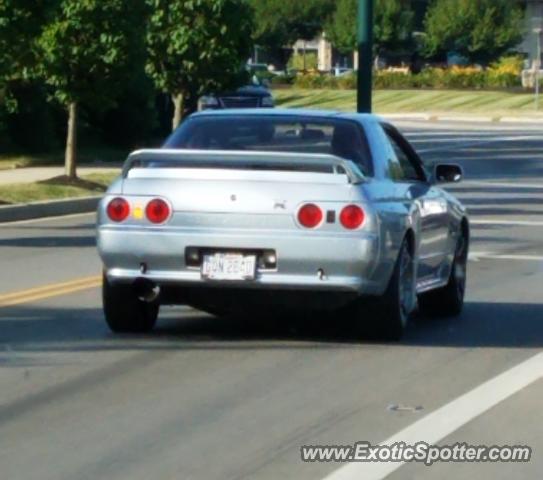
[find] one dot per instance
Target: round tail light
(157, 211)
(310, 215)
(351, 217)
(118, 209)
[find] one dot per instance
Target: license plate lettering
(222, 266)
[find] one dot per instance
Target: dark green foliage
(132, 121)
(86, 47)
(279, 23)
(393, 25)
(21, 22)
(480, 30)
(31, 127)
(197, 46)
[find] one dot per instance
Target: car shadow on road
(505, 325)
(50, 241)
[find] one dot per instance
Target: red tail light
(351, 217)
(310, 215)
(157, 211)
(118, 209)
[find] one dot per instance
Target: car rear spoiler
(308, 162)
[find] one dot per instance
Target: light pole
(537, 65)
(365, 54)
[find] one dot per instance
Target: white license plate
(229, 266)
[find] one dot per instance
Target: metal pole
(538, 68)
(537, 65)
(365, 55)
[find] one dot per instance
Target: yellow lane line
(48, 291)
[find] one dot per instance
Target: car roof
(290, 112)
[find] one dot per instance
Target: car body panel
(249, 96)
(217, 208)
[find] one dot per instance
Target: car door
(426, 203)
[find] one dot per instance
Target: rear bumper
(349, 260)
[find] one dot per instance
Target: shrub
(347, 82)
(284, 79)
(384, 79)
(503, 74)
(296, 61)
(316, 80)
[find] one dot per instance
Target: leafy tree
(480, 30)
(85, 50)
(197, 47)
(20, 25)
(393, 25)
(279, 23)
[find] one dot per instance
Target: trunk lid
(239, 182)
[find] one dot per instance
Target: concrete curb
(49, 208)
(428, 117)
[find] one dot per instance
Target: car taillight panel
(352, 217)
(157, 211)
(118, 209)
(310, 215)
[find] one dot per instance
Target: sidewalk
(37, 174)
(466, 117)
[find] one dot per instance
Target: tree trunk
(178, 111)
(70, 158)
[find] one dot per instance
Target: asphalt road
(207, 398)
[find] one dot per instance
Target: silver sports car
(265, 210)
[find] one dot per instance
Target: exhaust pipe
(146, 290)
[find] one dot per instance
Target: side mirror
(448, 173)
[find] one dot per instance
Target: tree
(20, 25)
(196, 47)
(279, 23)
(393, 25)
(481, 31)
(85, 51)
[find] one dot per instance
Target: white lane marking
(445, 420)
(475, 256)
(517, 223)
(479, 142)
(44, 219)
(512, 184)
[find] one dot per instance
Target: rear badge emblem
(280, 204)
(233, 198)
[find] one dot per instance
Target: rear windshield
(340, 137)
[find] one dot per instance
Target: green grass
(404, 101)
(85, 155)
(56, 188)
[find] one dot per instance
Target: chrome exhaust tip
(146, 290)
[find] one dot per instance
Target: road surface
(208, 398)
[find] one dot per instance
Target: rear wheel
(124, 311)
(390, 313)
(449, 300)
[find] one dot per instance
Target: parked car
(250, 96)
(341, 71)
(246, 210)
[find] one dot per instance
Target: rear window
(340, 137)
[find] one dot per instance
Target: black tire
(124, 311)
(448, 301)
(386, 317)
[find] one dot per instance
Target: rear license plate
(229, 266)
